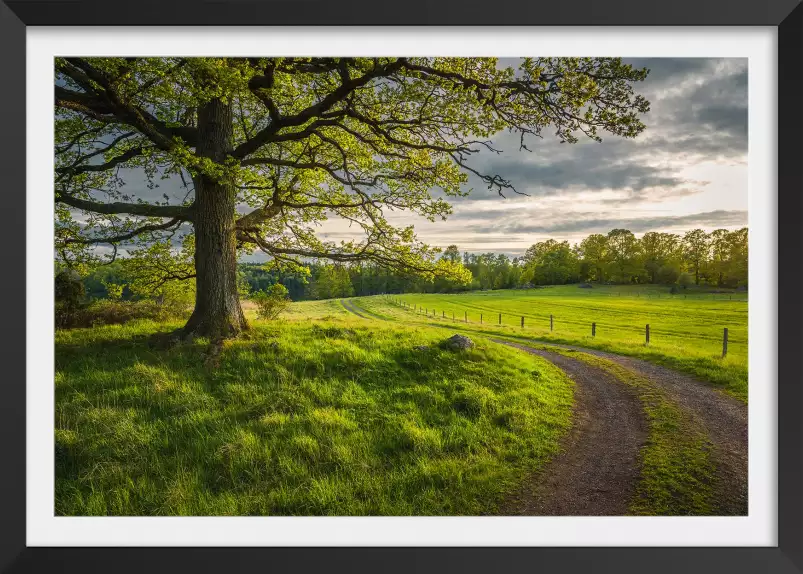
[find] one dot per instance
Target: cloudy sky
(688, 169)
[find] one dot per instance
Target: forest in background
(718, 258)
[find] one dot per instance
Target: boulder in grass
(458, 343)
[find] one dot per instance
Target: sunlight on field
(696, 324)
(340, 417)
(686, 331)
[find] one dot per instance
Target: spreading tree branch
(271, 132)
(124, 236)
(106, 105)
(180, 212)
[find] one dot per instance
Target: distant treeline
(718, 258)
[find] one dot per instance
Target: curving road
(597, 470)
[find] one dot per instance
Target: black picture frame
(15, 15)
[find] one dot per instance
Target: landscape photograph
(401, 286)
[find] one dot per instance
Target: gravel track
(584, 479)
(722, 417)
(352, 309)
(597, 469)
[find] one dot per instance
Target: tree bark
(217, 312)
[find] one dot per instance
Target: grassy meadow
(326, 412)
(331, 417)
(686, 331)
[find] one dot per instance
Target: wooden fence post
(648, 333)
(452, 316)
(465, 316)
(443, 314)
(725, 343)
(480, 318)
(550, 323)
(522, 321)
(500, 318)
(593, 329)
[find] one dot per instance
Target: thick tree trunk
(217, 312)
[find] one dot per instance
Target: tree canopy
(267, 149)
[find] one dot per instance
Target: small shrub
(668, 274)
(271, 302)
(114, 291)
(110, 312)
(69, 289)
(69, 295)
(685, 280)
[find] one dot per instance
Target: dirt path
(352, 309)
(596, 472)
(723, 418)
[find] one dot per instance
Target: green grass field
(328, 413)
(685, 332)
(303, 418)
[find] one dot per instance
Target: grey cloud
(586, 171)
(137, 186)
(719, 218)
(664, 71)
(560, 170)
(698, 113)
(707, 117)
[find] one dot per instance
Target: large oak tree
(268, 148)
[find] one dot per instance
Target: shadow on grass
(316, 419)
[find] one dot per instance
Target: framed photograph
(428, 287)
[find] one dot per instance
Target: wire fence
(523, 321)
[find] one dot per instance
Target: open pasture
(686, 332)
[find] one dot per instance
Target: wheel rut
(598, 467)
(722, 417)
(352, 309)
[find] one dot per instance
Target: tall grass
(298, 418)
